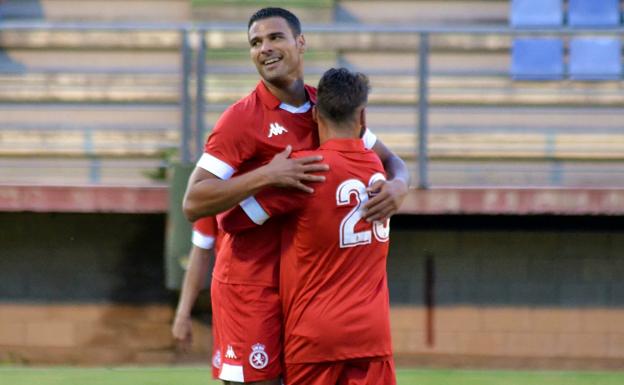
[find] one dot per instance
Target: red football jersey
(333, 281)
(248, 135)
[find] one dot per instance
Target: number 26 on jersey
(348, 236)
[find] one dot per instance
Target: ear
(315, 114)
(301, 43)
(363, 117)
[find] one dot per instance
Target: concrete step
(222, 10)
(79, 116)
(98, 10)
(80, 171)
(457, 145)
(234, 36)
(511, 146)
(363, 11)
(386, 89)
(479, 173)
(424, 12)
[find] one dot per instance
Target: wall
(540, 291)
(84, 288)
(548, 289)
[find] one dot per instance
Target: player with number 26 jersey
(333, 281)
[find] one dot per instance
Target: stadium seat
(595, 58)
(536, 13)
(537, 59)
(594, 13)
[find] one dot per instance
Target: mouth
(272, 60)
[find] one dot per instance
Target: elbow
(190, 210)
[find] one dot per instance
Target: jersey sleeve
(369, 139)
(256, 210)
(205, 232)
(228, 145)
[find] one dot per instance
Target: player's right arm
(268, 203)
(207, 194)
(204, 235)
(212, 189)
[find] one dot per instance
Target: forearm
(194, 280)
(396, 169)
(211, 196)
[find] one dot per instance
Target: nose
(266, 46)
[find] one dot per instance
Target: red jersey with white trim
(333, 281)
(206, 234)
(247, 136)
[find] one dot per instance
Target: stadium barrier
(196, 91)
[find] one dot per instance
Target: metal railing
(194, 43)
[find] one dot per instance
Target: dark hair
(340, 92)
(265, 13)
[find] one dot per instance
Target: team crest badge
(216, 359)
(258, 358)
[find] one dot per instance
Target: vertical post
(185, 102)
(94, 161)
(423, 110)
(200, 99)
(429, 300)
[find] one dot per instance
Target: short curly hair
(340, 92)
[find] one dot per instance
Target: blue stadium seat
(537, 59)
(594, 13)
(595, 59)
(536, 13)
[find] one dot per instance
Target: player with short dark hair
(333, 281)
(248, 151)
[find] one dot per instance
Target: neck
(331, 131)
(292, 93)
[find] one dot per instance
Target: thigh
(249, 325)
(369, 372)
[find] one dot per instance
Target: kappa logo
(276, 129)
(258, 358)
(229, 353)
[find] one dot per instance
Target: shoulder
(244, 110)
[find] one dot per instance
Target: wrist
(183, 315)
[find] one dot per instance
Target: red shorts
(373, 371)
(247, 325)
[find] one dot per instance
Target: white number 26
(348, 236)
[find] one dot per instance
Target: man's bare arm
(208, 195)
(199, 265)
(388, 195)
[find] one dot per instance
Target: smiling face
(275, 51)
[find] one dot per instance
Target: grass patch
(267, 3)
(201, 376)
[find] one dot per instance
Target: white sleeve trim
(254, 211)
(203, 241)
(215, 166)
(369, 139)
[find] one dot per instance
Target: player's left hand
(387, 197)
